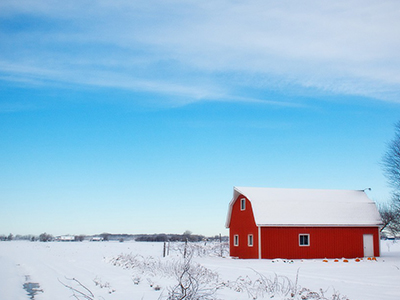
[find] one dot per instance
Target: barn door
(368, 240)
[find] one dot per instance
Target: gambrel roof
(308, 207)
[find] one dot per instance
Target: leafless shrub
(279, 287)
(142, 265)
(136, 280)
(201, 249)
(103, 285)
(195, 282)
(79, 291)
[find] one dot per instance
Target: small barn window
(250, 240)
(242, 204)
(304, 240)
(236, 240)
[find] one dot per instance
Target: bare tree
(390, 218)
(391, 165)
(45, 237)
(391, 160)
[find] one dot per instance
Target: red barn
(302, 223)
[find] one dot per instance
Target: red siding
(325, 242)
(242, 223)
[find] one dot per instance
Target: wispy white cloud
(104, 79)
(207, 50)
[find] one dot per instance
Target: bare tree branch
(390, 213)
(75, 291)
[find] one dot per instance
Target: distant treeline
(162, 237)
(157, 237)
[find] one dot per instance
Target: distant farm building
(65, 238)
(302, 223)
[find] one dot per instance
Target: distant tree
(190, 237)
(105, 236)
(187, 233)
(10, 237)
(391, 165)
(45, 237)
(79, 238)
(161, 237)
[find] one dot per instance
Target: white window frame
(308, 240)
(236, 240)
(243, 204)
(250, 240)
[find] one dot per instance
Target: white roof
(291, 207)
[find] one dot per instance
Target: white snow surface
(89, 262)
(291, 207)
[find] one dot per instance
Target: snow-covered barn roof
(291, 207)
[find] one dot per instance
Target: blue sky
(140, 117)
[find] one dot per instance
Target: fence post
(220, 244)
(184, 250)
(164, 249)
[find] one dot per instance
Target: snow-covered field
(137, 270)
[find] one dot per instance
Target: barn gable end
(243, 229)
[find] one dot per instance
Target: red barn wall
(242, 223)
(325, 242)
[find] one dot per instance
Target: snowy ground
(94, 265)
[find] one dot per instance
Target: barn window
(250, 240)
(304, 240)
(236, 240)
(242, 204)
